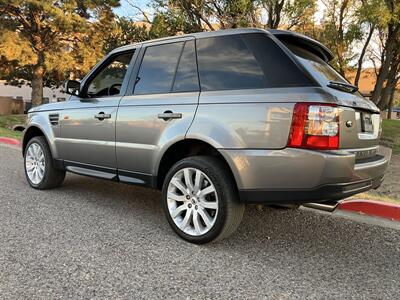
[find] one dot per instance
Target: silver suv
(215, 120)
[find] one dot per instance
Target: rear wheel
(39, 165)
(200, 200)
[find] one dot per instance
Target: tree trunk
(391, 83)
(37, 82)
(362, 54)
(387, 93)
(389, 115)
(384, 70)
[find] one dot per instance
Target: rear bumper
(296, 175)
(320, 194)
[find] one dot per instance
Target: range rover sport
(215, 120)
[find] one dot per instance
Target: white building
(24, 93)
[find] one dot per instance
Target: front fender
(40, 121)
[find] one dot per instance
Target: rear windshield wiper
(342, 86)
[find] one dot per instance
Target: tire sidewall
(210, 170)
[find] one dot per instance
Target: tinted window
(109, 80)
(157, 71)
(245, 61)
(186, 78)
(320, 69)
(277, 66)
(226, 63)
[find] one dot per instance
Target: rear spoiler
(303, 41)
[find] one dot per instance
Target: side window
(186, 78)
(226, 63)
(157, 71)
(244, 62)
(277, 67)
(109, 80)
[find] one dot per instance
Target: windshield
(319, 69)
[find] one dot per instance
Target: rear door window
(168, 68)
(157, 71)
(186, 78)
(247, 61)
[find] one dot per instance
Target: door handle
(168, 115)
(101, 116)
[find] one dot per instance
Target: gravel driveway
(93, 238)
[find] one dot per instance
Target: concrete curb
(9, 141)
(372, 208)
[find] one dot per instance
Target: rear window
(319, 69)
(247, 61)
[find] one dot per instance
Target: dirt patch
(391, 185)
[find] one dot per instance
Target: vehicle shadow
(277, 228)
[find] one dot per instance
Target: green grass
(6, 124)
(391, 135)
(9, 121)
(4, 132)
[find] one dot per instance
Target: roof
(283, 35)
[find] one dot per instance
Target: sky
(126, 10)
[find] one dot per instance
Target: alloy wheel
(35, 163)
(192, 201)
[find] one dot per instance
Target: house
(15, 99)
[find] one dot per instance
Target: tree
(341, 30)
(42, 41)
(299, 15)
(124, 31)
(389, 66)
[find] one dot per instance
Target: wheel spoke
(209, 204)
(208, 190)
(35, 150)
(186, 219)
(41, 167)
(197, 181)
(40, 173)
(178, 184)
(175, 197)
(206, 217)
(29, 167)
(30, 152)
(196, 222)
(188, 179)
(178, 211)
(35, 176)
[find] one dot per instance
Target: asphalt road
(98, 239)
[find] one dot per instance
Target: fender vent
(54, 119)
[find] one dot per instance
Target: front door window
(109, 80)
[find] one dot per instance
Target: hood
(47, 107)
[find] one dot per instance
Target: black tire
(53, 177)
(230, 211)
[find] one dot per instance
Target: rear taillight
(315, 126)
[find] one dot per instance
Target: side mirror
(72, 87)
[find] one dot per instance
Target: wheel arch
(186, 148)
(31, 132)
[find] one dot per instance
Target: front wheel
(39, 165)
(200, 200)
